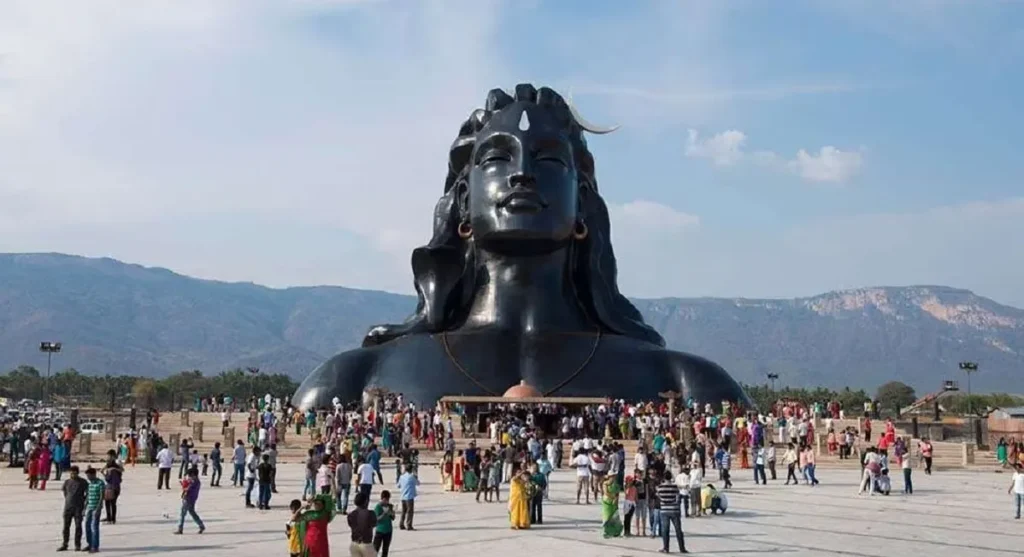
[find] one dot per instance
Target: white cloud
(727, 148)
(724, 149)
(645, 215)
(829, 165)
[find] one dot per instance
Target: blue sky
(767, 149)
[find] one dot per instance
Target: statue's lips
(522, 200)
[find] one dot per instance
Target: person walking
(93, 510)
(112, 475)
(770, 457)
(1016, 490)
(165, 461)
(264, 474)
(362, 521)
(366, 475)
(343, 477)
(669, 500)
(189, 496)
(217, 461)
(790, 459)
(407, 486)
(385, 512)
(251, 462)
(760, 457)
(238, 461)
(185, 450)
(75, 489)
(724, 465)
(696, 481)
(908, 486)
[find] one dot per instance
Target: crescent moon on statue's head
(587, 126)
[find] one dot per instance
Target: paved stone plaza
(941, 519)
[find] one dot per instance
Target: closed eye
(551, 159)
(495, 156)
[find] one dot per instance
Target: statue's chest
(491, 363)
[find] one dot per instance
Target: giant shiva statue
(518, 283)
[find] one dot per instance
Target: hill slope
(127, 319)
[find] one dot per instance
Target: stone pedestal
(197, 432)
(185, 417)
(174, 441)
(282, 433)
(935, 432)
(83, 444)
(229, 436)
(968, 454)
(110, 431)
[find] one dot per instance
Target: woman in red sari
(447, 470)
(458, 472)
(32, 465)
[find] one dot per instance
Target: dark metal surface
(518, 281)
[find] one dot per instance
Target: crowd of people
(514, 447)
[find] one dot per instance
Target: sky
(766, 149)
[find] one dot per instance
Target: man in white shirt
(640, 460)
(582, 465)
(366, 474)
(1017, 488)
(250, 475)
(695, 481)
(165, 461)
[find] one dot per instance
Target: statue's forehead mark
(524, 121)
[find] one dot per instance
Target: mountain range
(120, 318)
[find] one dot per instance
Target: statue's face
(523, 182)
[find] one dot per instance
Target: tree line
(181, 389)
(891, 398)
(117, 391)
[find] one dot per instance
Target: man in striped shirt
(93, 510)
(725, 465)
(670, 499)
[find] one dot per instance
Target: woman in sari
(458, 473)
(519, 495)
(312, 524)
(611, 524)
(447, 470)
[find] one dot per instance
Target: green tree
(894, 395)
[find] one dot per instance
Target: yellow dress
(519, 513)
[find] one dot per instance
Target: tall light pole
(772, 377)
(50, 348)
(969, 368)
(254, 371)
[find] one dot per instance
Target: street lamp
(772, 377)
(969, 368)
(50, 348)
(254, 371)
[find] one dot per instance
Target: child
(494, 481)
(291, 529)
(206, 463)
(884, 483)
(324, 479)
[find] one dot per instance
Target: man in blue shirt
(374, 459)
(407, 486)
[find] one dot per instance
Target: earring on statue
(580, 231)
(465, 230)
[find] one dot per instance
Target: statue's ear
(437, 271)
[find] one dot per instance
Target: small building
(1016, 412)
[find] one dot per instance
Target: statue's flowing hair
(445, 269)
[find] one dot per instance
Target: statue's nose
(522, 179)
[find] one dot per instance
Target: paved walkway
(940, 519)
